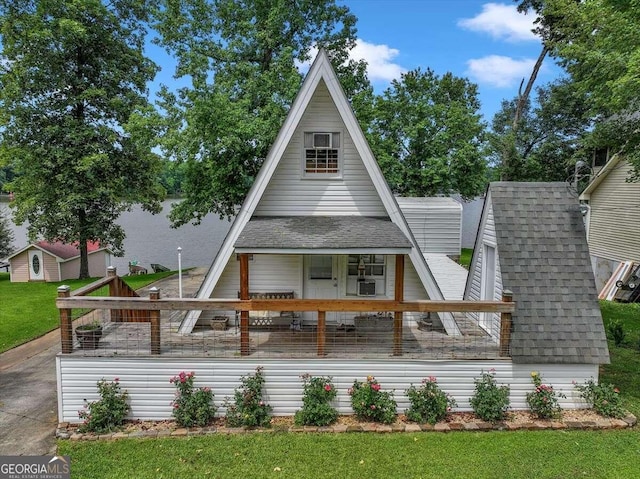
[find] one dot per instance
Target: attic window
(321, 153)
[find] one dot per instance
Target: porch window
(321, 267)
(366, 267)
(321, 153)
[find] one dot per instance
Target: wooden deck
(367, 342)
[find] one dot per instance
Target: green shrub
(192, 407)
(429, 404)
(248, 409)
(617, 332)
(604, 398)
(489, 401)
(543, 401)
(318, 392)
(108, 412)
(370, 403)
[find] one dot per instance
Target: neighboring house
(321, 223)
(531, 241)
(44, 261)
(612, 219)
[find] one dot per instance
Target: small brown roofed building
(56, 261)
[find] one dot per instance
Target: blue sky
(488, 42)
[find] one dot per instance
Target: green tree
(428, 136)
(6, 235)
(548, 140)
(73, 101)
(598, 43)
(241, 57)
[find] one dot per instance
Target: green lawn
(28, 310)
(465, 257)
(521, 454)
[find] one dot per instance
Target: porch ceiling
(322, 234)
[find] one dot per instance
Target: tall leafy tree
(73, 97)
(242, 59)
(6, 235)
(428, 136)
(598, 43)
(549, 138)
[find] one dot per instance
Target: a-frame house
(320, 220)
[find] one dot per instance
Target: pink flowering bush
(604, 398)
(543, 400)
(318, 392)
(108, 412)
(248, 408)
(370, 403)
(429, 403)
(191, 407)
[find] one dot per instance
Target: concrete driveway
(28, 399)
(28, 390)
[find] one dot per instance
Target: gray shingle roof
(544, 260)
(321, 232)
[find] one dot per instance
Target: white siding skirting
(147, 380)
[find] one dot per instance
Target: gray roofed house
(531, 240)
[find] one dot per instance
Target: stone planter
(219, 323)
(88, 336)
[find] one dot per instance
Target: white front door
(320, 280)
(488, 283)
(36, 265)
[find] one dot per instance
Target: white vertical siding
(487, 236)
(614, 219)
(436, 223)
(147, 380)
(288, 193)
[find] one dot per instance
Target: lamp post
(180, 271)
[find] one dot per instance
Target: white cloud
(502, 22)
(380, 66)
(499, 71)
(379, 60)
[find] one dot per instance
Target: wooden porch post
(397, 315)
(505, 326)
(321, 332)
(66, 329)
(154, 319)
(114, 292)
(244, 294)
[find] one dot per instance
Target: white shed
(436, 223)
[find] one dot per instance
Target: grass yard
(28, 310)
(465, 257)
(521, 454)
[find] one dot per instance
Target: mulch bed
(459, 421)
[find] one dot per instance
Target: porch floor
(369, 341)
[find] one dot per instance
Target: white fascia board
(476, 249)
(324, 251)
(602, 174)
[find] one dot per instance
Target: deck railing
(125, 305)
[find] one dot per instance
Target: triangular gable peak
(320, 78)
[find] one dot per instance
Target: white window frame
(371, 267)
(309, 147)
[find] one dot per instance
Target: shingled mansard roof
(544, 260)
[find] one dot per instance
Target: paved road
(28, 392)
